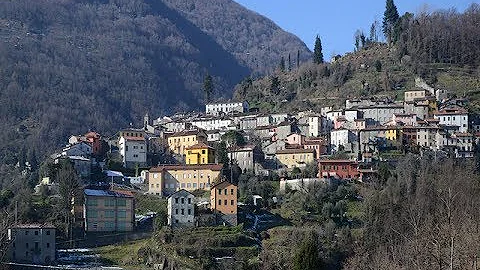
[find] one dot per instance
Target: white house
(341, 137)
(457, 117)
(314, 125)
(226, 108)
(133, 148)
(212, 123)
(81, 149)
(181, 209)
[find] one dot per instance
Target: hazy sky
(336, 21)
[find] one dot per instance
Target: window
(225, 201)
(189, 200)
(92, 214)
(48, 245)
(183, 185)
(176, 211)
(122, 202)
(219, 192)
(189, 211)
(203, 151)
(109, 214)
(183, 211)
(189, 185)
(26, 245)
(231, 191)
(232, 202)
(122, 214)
(176, 200)
(35, 232)
(183, 200)
(48, 232)
(219, 202)
(92, 202)
(109, 202)
(36, 245)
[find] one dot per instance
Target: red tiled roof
(295, 151)
(337, 161)
(199, 146)
(213, 167)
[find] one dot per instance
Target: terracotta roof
(167, 167)
(337, 161)
(451, 111)
(200, 145)
(314, 142)
(460, 134)
(221, 182)
(295, 151)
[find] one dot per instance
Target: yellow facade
(391, 134)
(178, 142)
(168, 179)
(200, 154)
(292, 158)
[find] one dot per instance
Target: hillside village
(194, 161)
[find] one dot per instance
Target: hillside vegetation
(68, 66)
(435, 47)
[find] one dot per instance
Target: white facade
(341, 137)
(331, 116)
(314, 125)
(456, 118)
(381, 113)
(79, 149)
(133, 151)
(225, 108)
(212, 123)
(181, 211)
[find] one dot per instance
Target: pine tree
(317, 51)
(307, 257)
(289, 63)
(282, 64)
(298, 58)
(208, 87)
(390, 21)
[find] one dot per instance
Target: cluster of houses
(176, 157)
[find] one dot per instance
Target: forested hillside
(68, 66)
(441, 47)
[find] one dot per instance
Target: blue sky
(336, 21)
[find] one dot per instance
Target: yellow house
(179, 141)
(167, 179)
(393, 134)
(292, 158)
(200, 153)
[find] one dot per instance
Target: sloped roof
(167, 167)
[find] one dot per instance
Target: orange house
(223, 198)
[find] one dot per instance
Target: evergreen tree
(390, 21)
(298, 58)
(208, 87)
(307, 257)
(282, 64)
(289, 63)
(317, 51)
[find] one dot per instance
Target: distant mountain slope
(67, 66)
(253, 39)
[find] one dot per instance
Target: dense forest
(441, 47)
(69, 66)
